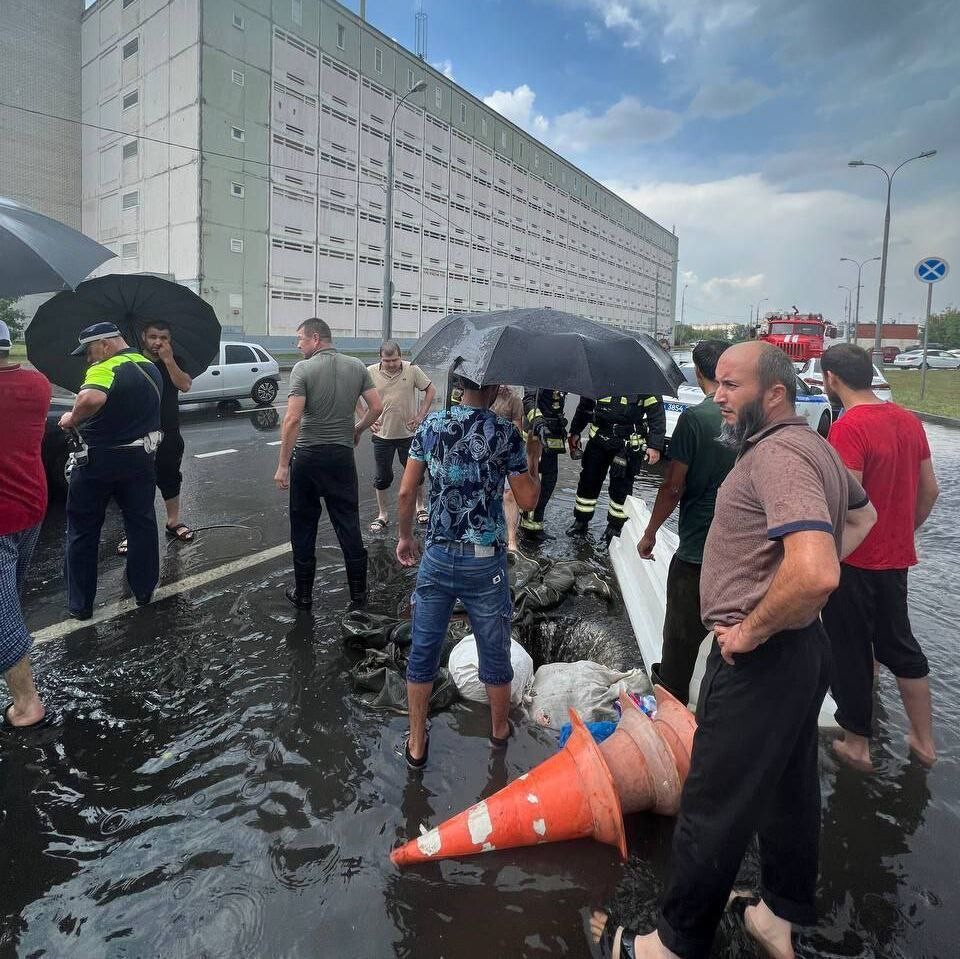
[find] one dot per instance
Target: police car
(812, 405)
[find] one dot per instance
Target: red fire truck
(799, 335)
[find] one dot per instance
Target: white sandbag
(464, 664)
(589, 688)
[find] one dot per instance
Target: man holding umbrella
(117, 413)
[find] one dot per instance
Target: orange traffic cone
(676, 726)
(568, 796)
(641, 763)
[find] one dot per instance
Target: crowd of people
(793, 550)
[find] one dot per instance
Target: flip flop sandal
(740, 902)
(379, 526)
(616, 942)
(423, 517)
(416, 763)
(181, 532)
(122, 548)
(49, 719)
(500, 742)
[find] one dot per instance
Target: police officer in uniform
(624, 432)
(543, 411)
(117, 413)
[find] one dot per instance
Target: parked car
(812, 405)
(812, 375)
(936, 360)
(242, 371)
(53, 452)
(889, 353)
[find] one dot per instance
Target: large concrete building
(241, 146)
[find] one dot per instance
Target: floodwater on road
(217, 789)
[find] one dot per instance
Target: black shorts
(383, 453)
(168, 459)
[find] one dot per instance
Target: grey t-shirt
(331, 384)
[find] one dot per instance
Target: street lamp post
(849, 305)
(878, 336)
(764, 300)
(388, 238)
(683, 300)
(859, 264)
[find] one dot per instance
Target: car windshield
(807, 329)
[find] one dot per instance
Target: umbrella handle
(450, 372)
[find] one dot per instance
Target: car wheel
(823, 427)
(264, 392)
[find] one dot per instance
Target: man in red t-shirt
(885, 447)
(24, 400)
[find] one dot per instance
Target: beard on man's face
(749, 420)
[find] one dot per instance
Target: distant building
(894, 334)
(272, 205)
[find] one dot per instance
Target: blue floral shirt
(469, 453)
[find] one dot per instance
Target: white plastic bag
(464, 663)
(589, 688)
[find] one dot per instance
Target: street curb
(938, 420)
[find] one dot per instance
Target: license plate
(674, 407)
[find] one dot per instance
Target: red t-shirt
(24, 401)
(887, 444)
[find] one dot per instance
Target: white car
(812, 375)
(241, 371)
(812, 405)
(936, 360)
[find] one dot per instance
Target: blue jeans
(481, 584)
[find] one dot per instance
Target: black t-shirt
(169, 400)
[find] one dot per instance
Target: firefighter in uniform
(543, 411)
(624, 432)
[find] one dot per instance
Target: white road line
(274, 442)
(200, 456)
(111, 611)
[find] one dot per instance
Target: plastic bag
(589, 688)
(464, 664)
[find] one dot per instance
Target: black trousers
(754, 770)
(866, 618)
(683, 630)
(326, 474)
(169, 457)
(598, 457)
(549, 470)
(383, 454)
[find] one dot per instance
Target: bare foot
(768, 929)
(853, 756)
(925, 752)
(645, 947)
(25, 716)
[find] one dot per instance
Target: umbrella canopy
(130, 301)
(549, 349)
(41, 255)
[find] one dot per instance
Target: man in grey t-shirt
(316, 457)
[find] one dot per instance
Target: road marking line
(274, 442)
(200, 456)
(59, 630)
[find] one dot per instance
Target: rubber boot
(581, 526)
(301, 593)
(611, 532)
(357, 582)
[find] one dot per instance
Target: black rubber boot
(581, 526)
(301, 593)
(357, 581)
(611, 532)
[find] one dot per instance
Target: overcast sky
(733, 120)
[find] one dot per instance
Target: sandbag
(464, 665)
(380, 678)
(588, 687)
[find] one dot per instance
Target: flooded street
(218, 790)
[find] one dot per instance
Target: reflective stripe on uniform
(591, 431)
(528, 522)
(583, 505)
(616, 510)
(651, 401)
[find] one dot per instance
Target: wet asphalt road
(217, 790)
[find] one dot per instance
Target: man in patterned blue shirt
(467, 452)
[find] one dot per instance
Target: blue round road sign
(931, 269)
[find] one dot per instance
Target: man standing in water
(885, 448)
(785, 515)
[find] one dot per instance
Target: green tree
(945, 328)
(15, 319)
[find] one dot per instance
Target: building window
(130, 149)
(130, 251)
(521, 149)
(128, 3)
(237, 134)
(236, 245)
(130, 200)
(238, 21)
(410, 80)
(237, 189)
(296, 11)
(237, 77)
(463, 112)
(503, 138)
(483, 126)
(341, 36)
(438, 97)
(131, 99)
(131, 47)
(378, 59)
(536, 158)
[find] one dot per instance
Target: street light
(683, 300)
(859, 265)
(418, 87)
(878, 338)
(849, 304)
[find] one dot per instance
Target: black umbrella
(549, 349)
(130, 301)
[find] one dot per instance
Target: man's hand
(653, 456)
(374, 428)
(282, 477)
(66, 421)
(408, 551)
(573, 442)
(164, 352)
(357, 433)
(646, 544)
(735, 639)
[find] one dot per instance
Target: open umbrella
(129, 301)
(42, 255)
(549, 349)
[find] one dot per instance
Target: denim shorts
(482, 585)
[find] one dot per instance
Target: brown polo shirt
(787, 479)
(401, 401)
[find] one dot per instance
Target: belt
(467, 549)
